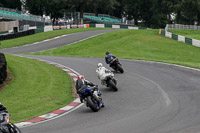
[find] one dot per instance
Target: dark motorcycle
(115, 64)
(5, 125)
(92, 98)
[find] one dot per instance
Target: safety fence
(97, 26)
(180, 38)
(181, 26)
(3, 68)
(38, 29)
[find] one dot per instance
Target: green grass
(41, 36)
(194, 34)
(38, 88)
(133, 44)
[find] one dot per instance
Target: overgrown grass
(41, 36)
(195, 34)
(133, 44)
(38, 88)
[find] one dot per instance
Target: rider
(82, 83)
(102, 72)
(109, 57)
(2, 108)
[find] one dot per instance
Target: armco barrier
(180, 38)
(174, 36)
(48, 28)
(107, 25)
(115, 26)
(188, 40)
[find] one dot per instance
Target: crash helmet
(1, 106)
(80, 77)
(107, 53)
(99, 65)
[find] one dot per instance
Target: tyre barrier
(3, 68)
(16, 35)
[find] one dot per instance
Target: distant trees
(14, 4)
(151, 13)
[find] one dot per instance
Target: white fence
(181, 26)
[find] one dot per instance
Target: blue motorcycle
(5, 125)
(92, 98)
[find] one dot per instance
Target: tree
(13, 4)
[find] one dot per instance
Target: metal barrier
(181, 26)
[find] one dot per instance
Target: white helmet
(99, 65)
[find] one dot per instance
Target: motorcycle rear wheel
(112, 85)
(94, 107)
(120, 68)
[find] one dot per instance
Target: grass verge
(187, 33)
(37, 88)
(41, 36)
(133, 44)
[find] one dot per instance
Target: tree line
(150, 13)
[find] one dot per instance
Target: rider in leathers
(102, 72)
(109, 57)
(82, 83)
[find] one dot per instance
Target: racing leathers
(82, 84)
(109, 58)
(102, 73)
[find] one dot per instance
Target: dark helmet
(107, 53)
(2, 107)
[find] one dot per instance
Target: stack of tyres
(3, 68)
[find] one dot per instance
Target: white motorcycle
(107, 78)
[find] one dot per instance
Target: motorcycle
(108, 79)
(115, 64)
(5, 125)
(91, 97)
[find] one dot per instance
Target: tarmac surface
(152, 98)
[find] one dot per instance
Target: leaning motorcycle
(115, 64)
(108, 79)
(92, 98)
(5, 125)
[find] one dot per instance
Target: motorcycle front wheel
(91, 103)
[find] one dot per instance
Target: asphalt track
(152, 98)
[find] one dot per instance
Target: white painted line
(65, 70)
(67, 108)
(49, 115)
(23, 124)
